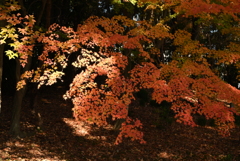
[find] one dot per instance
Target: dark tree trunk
(118, 124)
(2, 23)
(16, 110)
(17, 101)
(15, 130)
(48, 13)
(41, 12)
(18, 97)
(195, 28)
(1, 68)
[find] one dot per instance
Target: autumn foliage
(119, 56)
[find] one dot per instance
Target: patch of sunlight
(210, 127)
(18, 144)
(165, 155)
(35, 152)
(79, 127)
(96, 137)
(82, 129)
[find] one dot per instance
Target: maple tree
(167, 50)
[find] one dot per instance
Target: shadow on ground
(62, 138)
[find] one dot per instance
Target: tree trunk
(1, 69)
(2, 24)
(16, 107)
(118, 124)
(17, 102)
(48, 13)
(41, 12)
(18, 96)
(15, 130)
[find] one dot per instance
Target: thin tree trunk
(119, 122)
(2, 24)
(41, 13)
(1, 68)
(48, 13)
(15, 130)
(24, 11)
(17, 101)
(46, 6)
(18, 97)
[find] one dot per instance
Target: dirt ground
(62, 139)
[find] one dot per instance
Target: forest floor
(63, 139)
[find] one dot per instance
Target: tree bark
(195, 28)
(48, 13)
(15, 130)
(17, 101)
(2, 24)
(41, 13)
(18, 96)
(1, 69)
